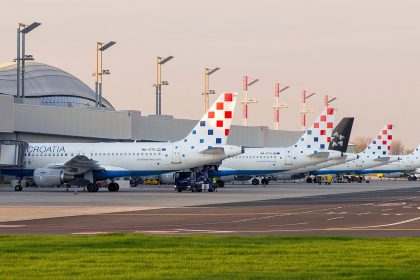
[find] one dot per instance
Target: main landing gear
(18, 187)
(412, 178)
(113, 187)
(93, 187)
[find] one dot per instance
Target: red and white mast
(247, 100)
(328, 101)
(277, 106)
(305, 97)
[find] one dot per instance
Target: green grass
(126, 256)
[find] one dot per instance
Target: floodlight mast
(247, 100)
(277, 106)
(107, 45)
(22, 30)
(159, 62)
(327, 101)
(304, 111)
(100, 47)
(207, 91)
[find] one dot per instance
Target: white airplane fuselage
(355, 166)
(407, 165)
(261, 161)
(321, 165)
(120, 159)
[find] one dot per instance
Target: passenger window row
(93, 154)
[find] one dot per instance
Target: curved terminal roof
(42, 80)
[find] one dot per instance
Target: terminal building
(59, 107)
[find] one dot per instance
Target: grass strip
(135, 256)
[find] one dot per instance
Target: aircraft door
(288, 157)
(176, 154)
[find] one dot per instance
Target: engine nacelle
(48, 177)
(393, 175)
(167, 178)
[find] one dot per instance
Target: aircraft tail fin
(416, 151)
(341, 135)
(214, 126)
(318, 136)
(381, 145)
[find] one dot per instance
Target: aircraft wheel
(255, 182)
(264, 181)
(91, 187)
(18, 188)
(113, 187)
(221, 183)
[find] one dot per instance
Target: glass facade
(66, 101)
(49, 86)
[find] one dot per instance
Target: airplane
(83, 164)
(339, 142)
(311, 148)
(376, 154)
(407, 165)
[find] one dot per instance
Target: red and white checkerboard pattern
(318, 136)
(381, 145)
(214, 126)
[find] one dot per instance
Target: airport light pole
(207, 92)
(305, 97)
(328, 101)
(22, 30)
(277, 106)
(247, 101)
(159, 83)
(100, 47)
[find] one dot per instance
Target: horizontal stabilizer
(320, 155)
(383, 159)
(214, 151)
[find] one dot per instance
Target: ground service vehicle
(151, 181)
(324, 179)
(189, 181)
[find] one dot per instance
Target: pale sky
(364, 52)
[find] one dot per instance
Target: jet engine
(48, 177)
(393, 175)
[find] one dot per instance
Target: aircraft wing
(78, 164)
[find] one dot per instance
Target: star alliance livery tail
(214, 127)
(381, 145)
(317, 138)
(341, 135)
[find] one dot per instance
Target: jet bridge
(12, 153)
